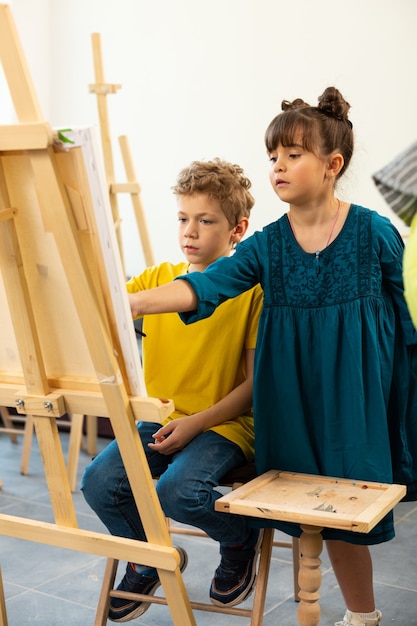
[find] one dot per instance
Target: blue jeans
(186, 487)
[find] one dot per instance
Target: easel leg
(178, 603)
(309, 578)
(55, 471)
(3, 614)
(137, 203)
(8, 422)
(27, 445)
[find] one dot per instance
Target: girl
(335, 338)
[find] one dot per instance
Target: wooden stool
(315, 502)
(233, 480)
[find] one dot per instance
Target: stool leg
(311, 545)
(296, 567)
(91, 434)
(262, 578)
(104, 599)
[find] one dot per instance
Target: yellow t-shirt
(197, 365)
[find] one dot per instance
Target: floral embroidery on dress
(303, 279)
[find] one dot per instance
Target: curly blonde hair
(221, 181)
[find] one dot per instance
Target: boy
(206, 369)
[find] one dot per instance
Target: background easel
(13, 431)
(132, 187)
(61, 352)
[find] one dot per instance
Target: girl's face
(297, 176)
(204, 233)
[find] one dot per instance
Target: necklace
(317, 253)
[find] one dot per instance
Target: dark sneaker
(234, 579)
(123, 610)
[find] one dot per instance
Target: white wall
(204, 79)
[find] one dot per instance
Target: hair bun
(286, 105)
(333, 104)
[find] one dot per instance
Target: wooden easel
(63, 354)
(132, 187)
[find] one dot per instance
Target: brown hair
(221, 181)
(324, 128)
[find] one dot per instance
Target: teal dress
(335, 361)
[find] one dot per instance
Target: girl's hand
(134, 301)
(175, 435)
(174, 297)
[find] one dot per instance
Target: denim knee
(182, 500)
(91, 485)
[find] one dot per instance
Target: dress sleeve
(224, 279)
(391, 251)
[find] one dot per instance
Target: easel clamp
(132, 188)
(51, 405)
(88, 402)
(103, 88)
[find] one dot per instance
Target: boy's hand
(175, 435)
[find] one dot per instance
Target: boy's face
(204, 234)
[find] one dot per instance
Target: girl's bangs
(286, 128)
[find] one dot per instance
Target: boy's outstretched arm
(177, 433)
(175, 297)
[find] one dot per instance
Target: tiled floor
(58, 587)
